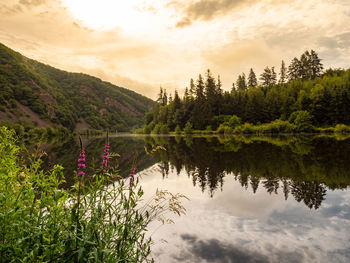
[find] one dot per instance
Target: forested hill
(34, 93)
(319, 97)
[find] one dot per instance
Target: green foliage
(41, 222)
(325, 96)
(178, 129)
(164, 129)
(341, 128)
(148, 128)
(64, 97)
(188, 128)
(234, 121)
(302, 121)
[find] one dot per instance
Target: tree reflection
(297, 166)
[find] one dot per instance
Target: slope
(32, 92)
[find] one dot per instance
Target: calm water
(252, 199)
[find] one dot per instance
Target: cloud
(32, 2)
(213, 250)
(206, 10)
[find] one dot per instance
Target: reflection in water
(301, 167)
(267, 199)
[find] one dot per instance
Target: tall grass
(102, 221)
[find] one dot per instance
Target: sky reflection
(236, 225)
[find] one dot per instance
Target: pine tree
(200, 89)
(186, 94)
(283, 73)
(273, 76)
(210, 86)
(252, 81)
(241, 82)
(294, 69)
(165, 98)
(315, 65)
(160, 96)
(233, 87)
(304, 66)
(267, 77)
(192, 88)
(218, 86)
(176, 101)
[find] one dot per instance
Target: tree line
(303, 86)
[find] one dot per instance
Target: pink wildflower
(105, 157)
(132, 175)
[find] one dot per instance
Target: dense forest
(303, 96)
(32, 93)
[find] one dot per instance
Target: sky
(142, 45)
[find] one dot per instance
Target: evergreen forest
(299, 98)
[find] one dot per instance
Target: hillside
(32, 93)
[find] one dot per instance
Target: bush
(148, 128)
(276, 126)
(247, 128)
(221, 129)
(41, 222)
(302, 121)
(341, 128)
(188, 128)
(178, 129)
(156, 129)
(234, 121)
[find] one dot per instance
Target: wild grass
(102, 221)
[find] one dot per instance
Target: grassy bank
(101, 219)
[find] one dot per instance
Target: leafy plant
(102, 219)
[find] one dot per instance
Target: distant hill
(32, 93)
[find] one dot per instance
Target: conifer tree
(267, 77)
(283, 72)
(294, 69)
(241, 82)
(218, 86)
(186, 94)
(160, 96)
(166, 100)
(315, 65)
(273, 76)
(252, 81)
(192, 88)
(200, 89)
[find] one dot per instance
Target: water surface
(252, 199)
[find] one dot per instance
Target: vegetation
(302, 167)
(101, 222)
(303, 96)
(31, 89)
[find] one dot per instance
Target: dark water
(252, 199)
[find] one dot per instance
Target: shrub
(276, 126)
(302, 121)
(148, 128)
(341, 128)
(221, 129)
(234, 121)
(156, 129)
(248, 128)
(178, 129)
(41, 222)
(188, 128)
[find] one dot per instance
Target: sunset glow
(144, 44)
